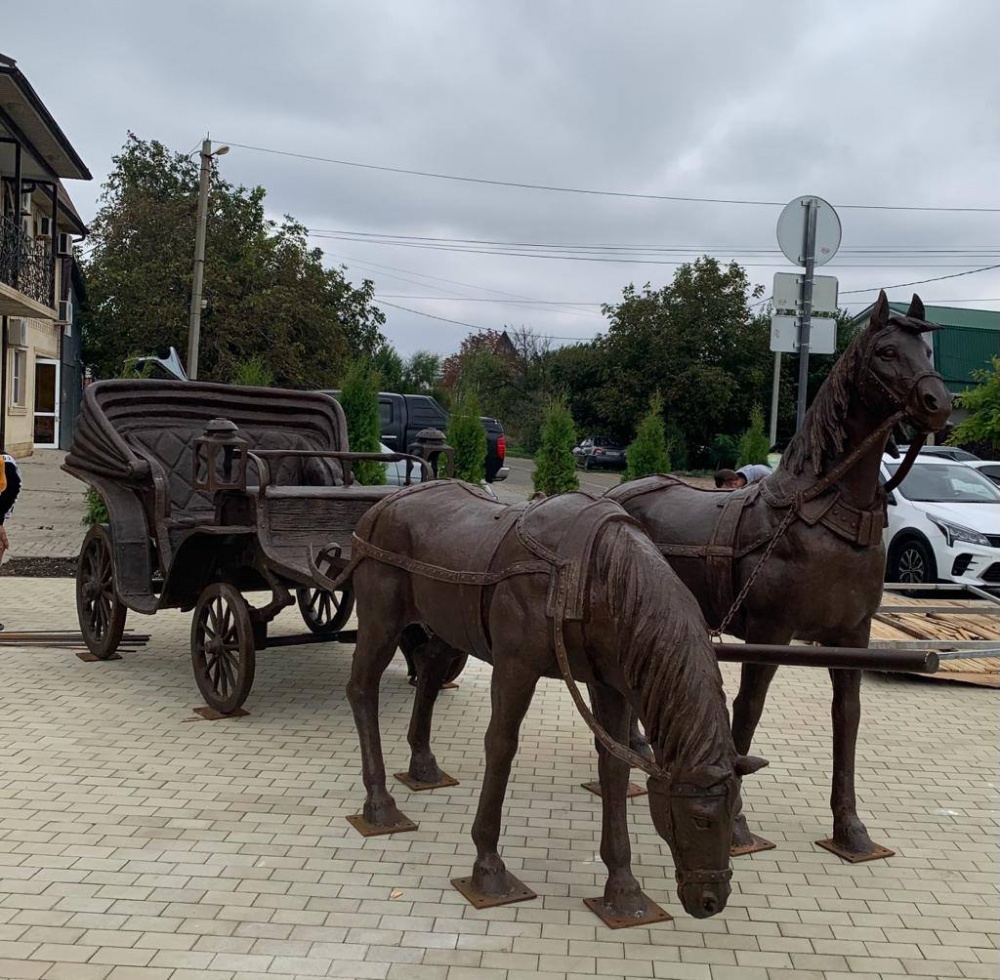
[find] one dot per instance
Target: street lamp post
(194, 328)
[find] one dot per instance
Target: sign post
(809, 235)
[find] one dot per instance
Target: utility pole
(194, 329)
(809, 255)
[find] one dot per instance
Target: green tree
(754, 444)
(421, 373)
(267, 292)
(982, 424)
(648, 452)
(359, 399)
(389, 365)
(253, 373)
(555, 467)
(467, 437)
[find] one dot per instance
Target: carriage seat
(171, 447)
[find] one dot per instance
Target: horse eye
(702, 823)
(888, 352)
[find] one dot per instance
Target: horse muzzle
(930, 403)
(704, 893)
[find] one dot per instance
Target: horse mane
(664, 650)
(824, 433)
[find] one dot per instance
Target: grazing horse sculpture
(800, 554)
(567, 586)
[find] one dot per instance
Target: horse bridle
(696, 876)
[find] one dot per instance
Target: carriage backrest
(160, 421)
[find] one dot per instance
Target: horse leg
(434, 660)
(850, 837)
(748, 706)
(623, 898)
(511, 692)
(375, 649)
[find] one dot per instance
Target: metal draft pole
(194, 330)
(805, 320)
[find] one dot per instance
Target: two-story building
(40, 367)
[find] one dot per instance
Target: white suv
(944, 523)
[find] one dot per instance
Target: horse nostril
(930, 402)
(709, 904)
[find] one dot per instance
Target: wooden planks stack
(974, 623)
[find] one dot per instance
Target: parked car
(944, 524)
(395, 473)
(945, 452)
(403, 416)
(596, 452)
(990, 468)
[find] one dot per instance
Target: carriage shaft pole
(848, 658)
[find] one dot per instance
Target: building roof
(22, 111)
(947, 316)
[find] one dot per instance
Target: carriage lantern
(214, 455)
(430, 445)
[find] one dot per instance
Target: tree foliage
(266, 291)
(982, 424)
(467, 437)
(555, 467)
(648, 452)
(754, 444)
(359, 400)
(253, 373)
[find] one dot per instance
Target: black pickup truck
(403, 416)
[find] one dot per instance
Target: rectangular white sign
(785, 334)
(788, 286)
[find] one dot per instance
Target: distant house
(40, 368)
(966, 344)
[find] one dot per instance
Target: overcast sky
(859, 102)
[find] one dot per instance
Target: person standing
(10, 487)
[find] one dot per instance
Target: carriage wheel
(325, 612)
(222, 647)
(100, 612)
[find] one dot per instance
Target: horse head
(897, 372)
(692, 811)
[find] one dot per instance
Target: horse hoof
(856, 851)
(488, 891)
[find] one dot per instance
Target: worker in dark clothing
(10, 487)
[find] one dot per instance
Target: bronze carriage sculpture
(213, 491)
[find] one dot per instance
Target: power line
(920, 282)
(522, 185)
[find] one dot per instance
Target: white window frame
(18, 377)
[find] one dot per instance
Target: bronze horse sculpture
(800, 554)
(567, 586)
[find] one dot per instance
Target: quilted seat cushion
(172, 447)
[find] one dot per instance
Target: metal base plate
(210, 714)
(614, 921)
(877, 852)
(450, 686)
(755, 845)
(366, 829)
(419, 787)
(88, 658)
(633, 790)
(517, 892)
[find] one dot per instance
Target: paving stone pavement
(46, 522)
(137, 841)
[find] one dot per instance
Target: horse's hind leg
(623, 900)
(375, 648)
(512, 688)
(433, 661)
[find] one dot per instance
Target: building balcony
(26, 274)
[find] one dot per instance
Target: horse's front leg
(623, 898)
(375, 649)
(850, 836)
(512, 688)
(433, 661)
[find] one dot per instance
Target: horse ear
(746, 764)
(916, 310)
(880, 312)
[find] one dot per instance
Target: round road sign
(792, 230)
